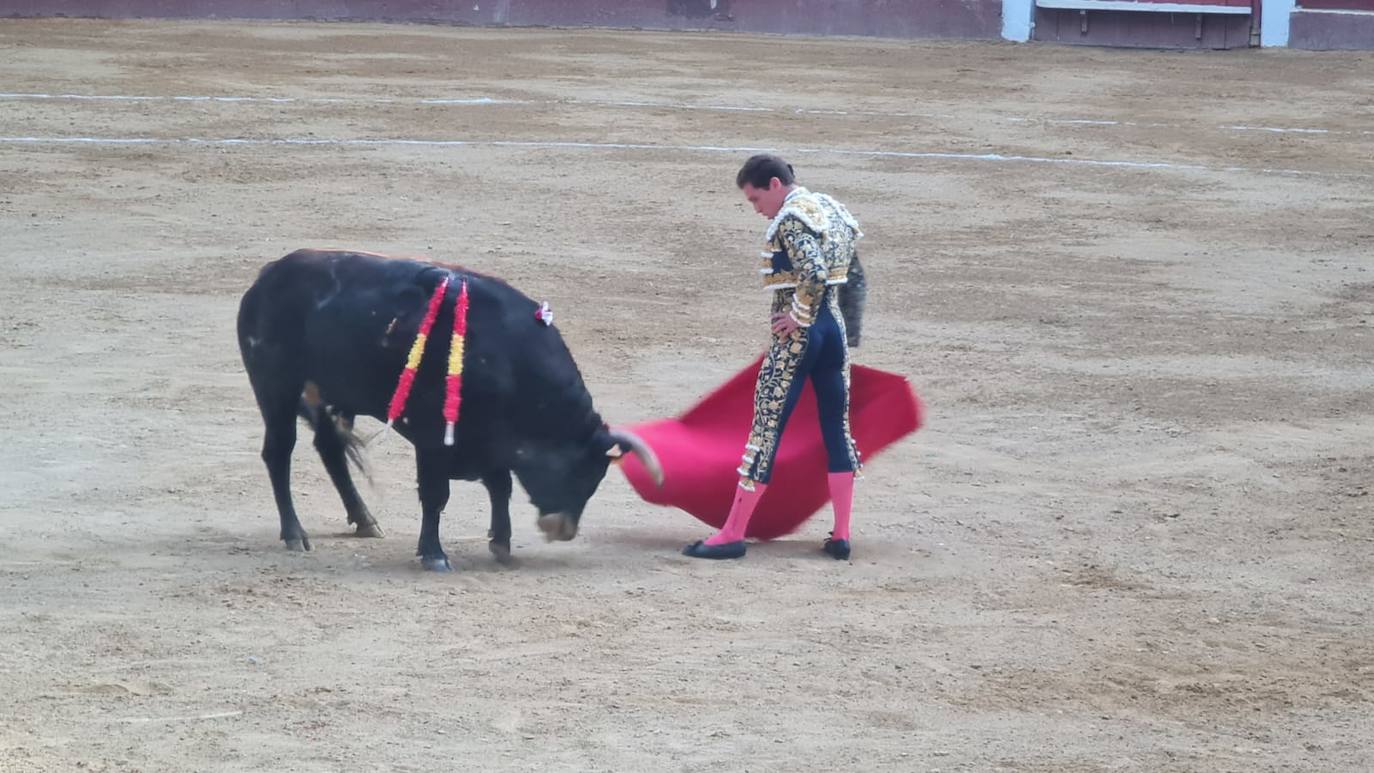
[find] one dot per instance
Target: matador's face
(767, 201)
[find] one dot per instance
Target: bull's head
(560, 479)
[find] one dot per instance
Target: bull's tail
(322, 418)
(354, 448)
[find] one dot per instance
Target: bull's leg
(331, 448)
(279, 441)
(431, 475)
(499, 489)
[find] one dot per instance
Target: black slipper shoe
(700, 549)
(837, 549)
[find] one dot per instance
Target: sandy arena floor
(1135, 535)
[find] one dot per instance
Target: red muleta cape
(700, 450)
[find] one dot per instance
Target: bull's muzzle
(558, 526)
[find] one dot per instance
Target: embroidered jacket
(811, 245)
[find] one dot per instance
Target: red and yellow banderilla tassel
(453, 396)
(417, 351)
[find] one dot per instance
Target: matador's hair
(759, 170)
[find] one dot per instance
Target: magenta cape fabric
(701, 450)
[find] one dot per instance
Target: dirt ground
(1134, 536)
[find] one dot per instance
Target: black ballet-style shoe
(837, 549)
(700, 549)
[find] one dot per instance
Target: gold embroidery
(819, 237)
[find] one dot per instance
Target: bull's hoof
(298, 545)
(369, 531)
(501, 550)
(437, 564)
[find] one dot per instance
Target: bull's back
(345, 322)
(290, 292)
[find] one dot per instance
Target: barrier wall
(886, 18)
(1134, 29)
(1328, 24)
(1316, 24)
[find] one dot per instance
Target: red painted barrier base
(881, 18)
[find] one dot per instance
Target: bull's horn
(639, 448)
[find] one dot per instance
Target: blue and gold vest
(835, 229)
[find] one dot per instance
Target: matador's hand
(784, 325)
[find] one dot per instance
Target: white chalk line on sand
(186, 718)
(574, 145)
(658, 105)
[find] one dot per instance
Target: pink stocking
(738, 522)
(842, 498)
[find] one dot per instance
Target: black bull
(324, 336)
